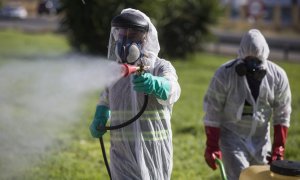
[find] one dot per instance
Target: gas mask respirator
(128, 51)
(251, 67)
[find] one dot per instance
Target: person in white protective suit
(243, 95)
(142, 150)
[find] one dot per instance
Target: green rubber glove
(149, 84)
(101, 116)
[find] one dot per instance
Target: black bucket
(286, 167)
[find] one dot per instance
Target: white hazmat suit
(245, 139)
(143, 149)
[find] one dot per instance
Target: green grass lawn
(15, 44)
(76, 155)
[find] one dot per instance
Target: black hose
(104, 156)
(119, 126)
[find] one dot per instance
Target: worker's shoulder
(275, 69)
(162, 62)
(158, 59)
(227, 66)
(273, 65)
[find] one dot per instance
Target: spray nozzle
(130, 69)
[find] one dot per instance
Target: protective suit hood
(254, 44)
(150, 45)
(245, 121)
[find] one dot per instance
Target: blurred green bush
(182, 25)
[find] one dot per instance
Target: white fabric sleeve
(168, 71)
(214, 101)
(282, 101)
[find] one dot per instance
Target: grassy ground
(15, 44)
(76, 155)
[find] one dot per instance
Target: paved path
(231, 50)
(281, 48)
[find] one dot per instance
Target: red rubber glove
(212, 150)
(280, 135)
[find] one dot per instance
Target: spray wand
(126, 70)
(130, 69)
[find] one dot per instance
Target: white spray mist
(40, 98)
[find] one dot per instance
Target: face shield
(126, 44)
(127, 38)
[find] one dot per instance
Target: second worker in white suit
(243, 95)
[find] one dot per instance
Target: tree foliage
(182, 24)
(185, 25)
